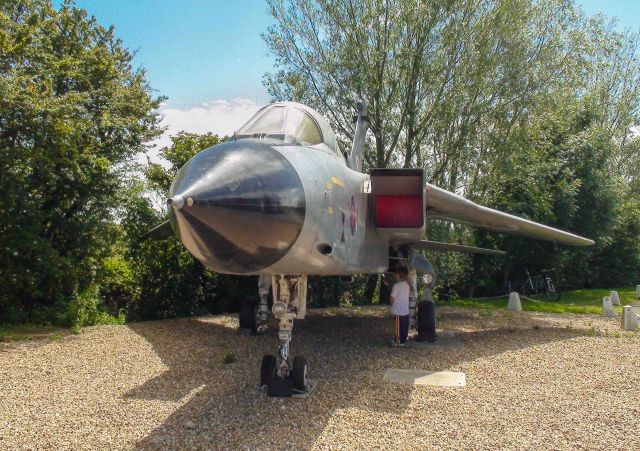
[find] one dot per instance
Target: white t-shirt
(400, 293)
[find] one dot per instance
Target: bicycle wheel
(553, 292)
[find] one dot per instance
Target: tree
(73, 112)
(183, 147)
(524, 105)
(432, 72)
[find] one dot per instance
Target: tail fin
(356, 157)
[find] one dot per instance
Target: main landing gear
(422, 313)
(425, 315)
(282, 375)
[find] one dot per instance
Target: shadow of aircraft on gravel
(348, 353)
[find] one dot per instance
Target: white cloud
(221, 117)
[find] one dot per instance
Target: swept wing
(442, 204)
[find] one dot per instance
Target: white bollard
(629, 318)
(615, 299)
(514, 302)
(607, 308)
(638, 292)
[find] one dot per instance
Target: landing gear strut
(280, 374)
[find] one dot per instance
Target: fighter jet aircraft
(280, 200)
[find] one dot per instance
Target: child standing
(400, 306)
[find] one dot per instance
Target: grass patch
(29, 331)
(228, 358)
(575, 301)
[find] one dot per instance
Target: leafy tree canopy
(73, 112)
(528, 106)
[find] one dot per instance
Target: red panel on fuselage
(398, 211)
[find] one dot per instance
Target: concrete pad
(420, 377)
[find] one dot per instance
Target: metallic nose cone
(238, 207)
(176, 201)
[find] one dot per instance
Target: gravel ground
(534, 381)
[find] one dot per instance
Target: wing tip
(577, 240)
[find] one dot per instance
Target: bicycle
(540, 284)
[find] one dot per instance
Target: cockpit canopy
(291, 122)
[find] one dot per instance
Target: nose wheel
(284, 386)
(281, 375)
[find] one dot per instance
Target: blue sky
(208, 56)
(193, 50)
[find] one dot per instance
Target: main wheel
(427, 321)
(553, 292)
(249, 313)
(267, 370)
(299, 373)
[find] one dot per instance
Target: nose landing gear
(281, 375)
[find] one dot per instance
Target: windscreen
(305, 129)
(283, 120)
(269, 121)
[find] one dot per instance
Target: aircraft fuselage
(260, 206)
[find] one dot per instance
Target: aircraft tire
(267, 370)
(299, 373)
(427, 321)
(249, 313)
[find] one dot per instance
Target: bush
(86, 309)
(118, 285)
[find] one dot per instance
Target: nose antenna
(176, 201)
